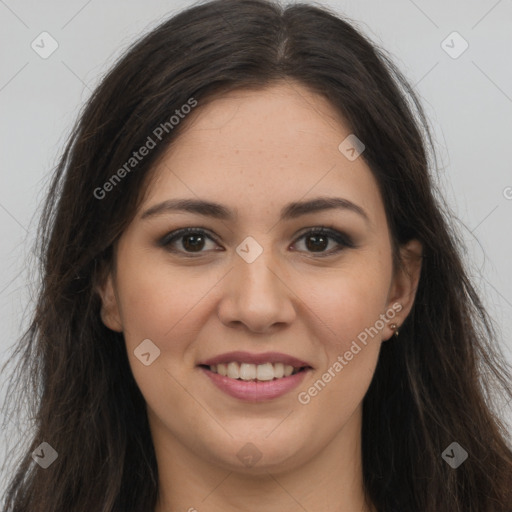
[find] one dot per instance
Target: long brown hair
(437, 383)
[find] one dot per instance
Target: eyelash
(342, 239)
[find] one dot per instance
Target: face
(266, 283)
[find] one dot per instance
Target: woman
(251, 297)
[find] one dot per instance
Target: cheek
(350, 300)
(349, 310)
(159, 305)
(158, 300)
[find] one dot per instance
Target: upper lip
(251, 358)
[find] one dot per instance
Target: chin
(252, 456)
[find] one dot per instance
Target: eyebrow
(219, 211)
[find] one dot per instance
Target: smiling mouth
(254, 372)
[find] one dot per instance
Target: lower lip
(256, 391)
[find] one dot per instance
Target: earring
(395, 328)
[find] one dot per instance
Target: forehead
(264, 148)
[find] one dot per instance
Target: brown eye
(193, 242)
(317, 241)
(186, 240)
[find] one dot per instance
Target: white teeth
(278, 370)
(265, 371)
(233, 370)
(248, 371)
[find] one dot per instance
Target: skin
(255, 151)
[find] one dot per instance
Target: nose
(257, 296)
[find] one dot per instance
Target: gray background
(467, 99)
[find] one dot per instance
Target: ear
(405, 282)
(109, 304)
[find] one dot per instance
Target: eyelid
(331, 231)
(166, 240)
